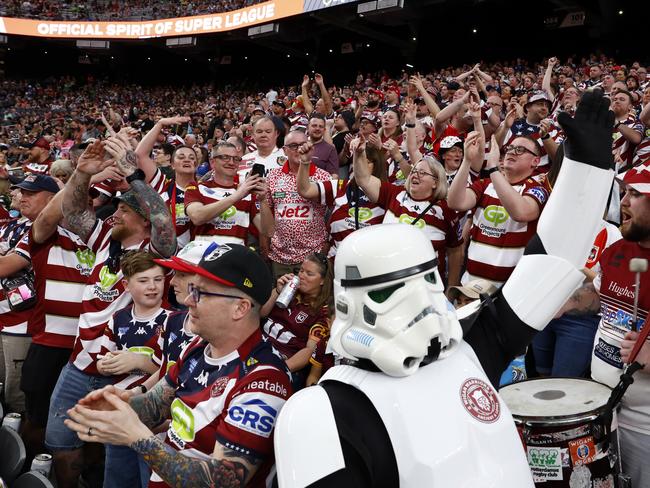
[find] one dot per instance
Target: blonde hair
(438, 171)
(61, 165)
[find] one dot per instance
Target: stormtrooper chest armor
(447, 424)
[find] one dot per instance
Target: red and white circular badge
(219, 386)
(480, 400)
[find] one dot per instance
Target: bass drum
(566, 441)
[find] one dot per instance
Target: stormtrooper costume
(418, 407)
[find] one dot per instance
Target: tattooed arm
(163, 230)
(585, 301)
(153, 408)
(79, 217)
(226, 468)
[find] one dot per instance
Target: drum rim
(553, 420)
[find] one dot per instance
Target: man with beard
(612, 293)
(39, 160)
(370, 107)
(141, 222)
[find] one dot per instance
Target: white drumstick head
(638, 265)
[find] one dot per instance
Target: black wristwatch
(485, 173)
(543, 138)
(138, 174)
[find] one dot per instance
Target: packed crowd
(113, 193)
(107, 10)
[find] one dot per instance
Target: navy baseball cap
(38, 183)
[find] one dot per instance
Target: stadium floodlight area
(379, 6)
(187, 41)
(263, 30)
(90, 44)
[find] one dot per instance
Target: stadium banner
(201, 24)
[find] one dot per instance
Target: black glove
(589, 133)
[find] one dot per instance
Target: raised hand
(473, 146)
(305, 81)
(305, 152)
(358, 145)
(375, 140)
(92, 160)
(178, 120)
(545, 127)
(318, 78)
(589, 133)
(125, 159)
(416, 81)
(410, 112)
(475, 110)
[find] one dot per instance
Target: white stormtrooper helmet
(389, 299)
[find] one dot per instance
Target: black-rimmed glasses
(196, 294)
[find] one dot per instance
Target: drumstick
(638, 266)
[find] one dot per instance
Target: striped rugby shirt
(340, 195)
(233, 400)
(497, 241)
(61, 265)
(440, 224)
(233, 224)
(103, 295)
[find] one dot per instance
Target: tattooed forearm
(163, 231)
(181, 471)
(153, 407)
(79, 217)
(585, 301)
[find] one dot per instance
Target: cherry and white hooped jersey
(61, 266)
(498, 241)
(616, 286)
(141, 335)
(340, 195)
(103, 295)
(300, 227)
(232, 225)
(233, 400)
(440, 223)
(623, 147)
(174, 197)
(642, 151)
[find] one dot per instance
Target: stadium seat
(13, 454)
(33, 479)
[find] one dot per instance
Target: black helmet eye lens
(382, 294)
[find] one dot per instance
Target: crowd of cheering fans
(107, 10)
(113, 196)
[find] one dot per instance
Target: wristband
(138, 174)
(486, 173)
(410, 126)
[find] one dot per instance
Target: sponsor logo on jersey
(86, 260)
(294, 211)
(408, 220)
(480, 400)
(202, 379)
(270, 386)
(106, 278)
(140, 331)
(182, 423)
(495, 214)
(255, 416)
(229, 213)
(537, 193)
(142, 350)
(364, 213)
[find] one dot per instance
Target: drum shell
(587, 447)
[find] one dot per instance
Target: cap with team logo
(191, 254)
(473, 289)
(637, 178)
(236, 266)
(38, 183)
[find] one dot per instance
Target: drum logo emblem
(583, 451)
(480, 400)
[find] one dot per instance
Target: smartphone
(258, 169)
